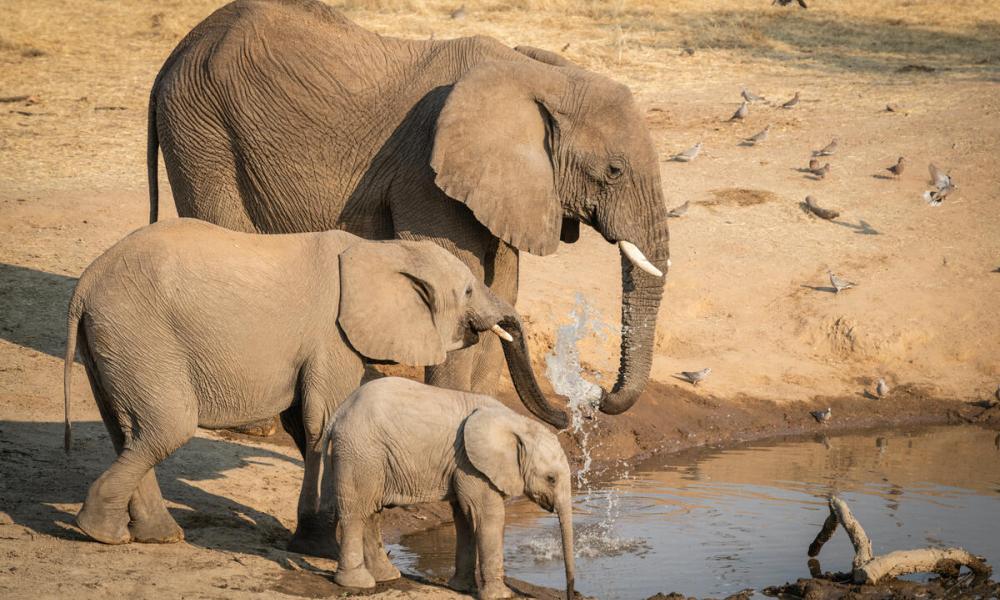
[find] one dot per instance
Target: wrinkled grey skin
(184, 324)
(397, 442)
(281, 116)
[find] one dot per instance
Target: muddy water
(712, 522)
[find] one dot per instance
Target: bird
(792, 102)
(840, 284)
(802, 3)
(822, 416)
(892, 107)
(944, 184)
(881, 388)
(565, 48)
(679, 211)
(750, 96)
(819, 211)
(688, 155)
(897, 169)
(741, 112)
(813, 164)
(695, 376)
(687, 51)
(939, 178)
(827, 150)
(820, 172)
(757, 137)
(458, 13)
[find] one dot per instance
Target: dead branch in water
(871, 569)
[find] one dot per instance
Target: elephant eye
(551, 479)
(615, 170)
(468, 291)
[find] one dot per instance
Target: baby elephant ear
(387, 312)
(494, 448)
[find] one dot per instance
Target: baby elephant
(184, 324)
(396, 442)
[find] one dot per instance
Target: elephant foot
(262, 428)
(383, 570)
(495, 590)
(161, 529)
(316, 535)
(358, 578)
(102, 526)
(465, 584)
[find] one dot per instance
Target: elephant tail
(73, 328)
(152, 156)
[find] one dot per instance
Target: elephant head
(536, 146)
(412, 302)
(519, 456)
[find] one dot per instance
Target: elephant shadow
(33, 308)
(41, 480)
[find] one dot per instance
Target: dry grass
(77, 58)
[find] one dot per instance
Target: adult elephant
(284, 116)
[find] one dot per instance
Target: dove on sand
(758, 137)
(822, 416)
(819, 211)
(679, 211)
(827, 150)
(458, 13)
(802, 3)
(741, 112)
(688, 155)
(881, 388)
(897, 169)
(820, 172)
(840, 284)
(792, 102)
(944, 184)
(695, 376)
(750, 96)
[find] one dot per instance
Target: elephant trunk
(565, 512)
(523, 376)
(641, 295)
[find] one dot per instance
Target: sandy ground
(747, 296)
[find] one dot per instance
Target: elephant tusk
(503, 335)
(638, 258)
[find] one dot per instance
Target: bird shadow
(870, 396)
(746, 144)
(814, 177)
(684, 379)
(884, 177)
(820, 288)
(863, 227)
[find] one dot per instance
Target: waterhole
(712, 522)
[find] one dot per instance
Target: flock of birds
(942, 183)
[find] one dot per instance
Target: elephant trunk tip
(617, 402)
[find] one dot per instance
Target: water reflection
(714, 522)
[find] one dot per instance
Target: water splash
(565, 372)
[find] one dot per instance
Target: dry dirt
(747, 295)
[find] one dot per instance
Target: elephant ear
(492, 151)
(387, 310)
(494, 448)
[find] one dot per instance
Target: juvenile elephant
(184, 324)
(280, 116)
(396, 442)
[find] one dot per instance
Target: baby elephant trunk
(565, 512)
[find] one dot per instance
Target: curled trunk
(641, 295)
(523, 376)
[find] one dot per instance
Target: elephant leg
(376, 557)
(329, 380)
(488, 522)
(464, 579)
(351, 571)
(150, 522)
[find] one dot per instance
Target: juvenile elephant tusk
(638, 258)
(503, 335)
